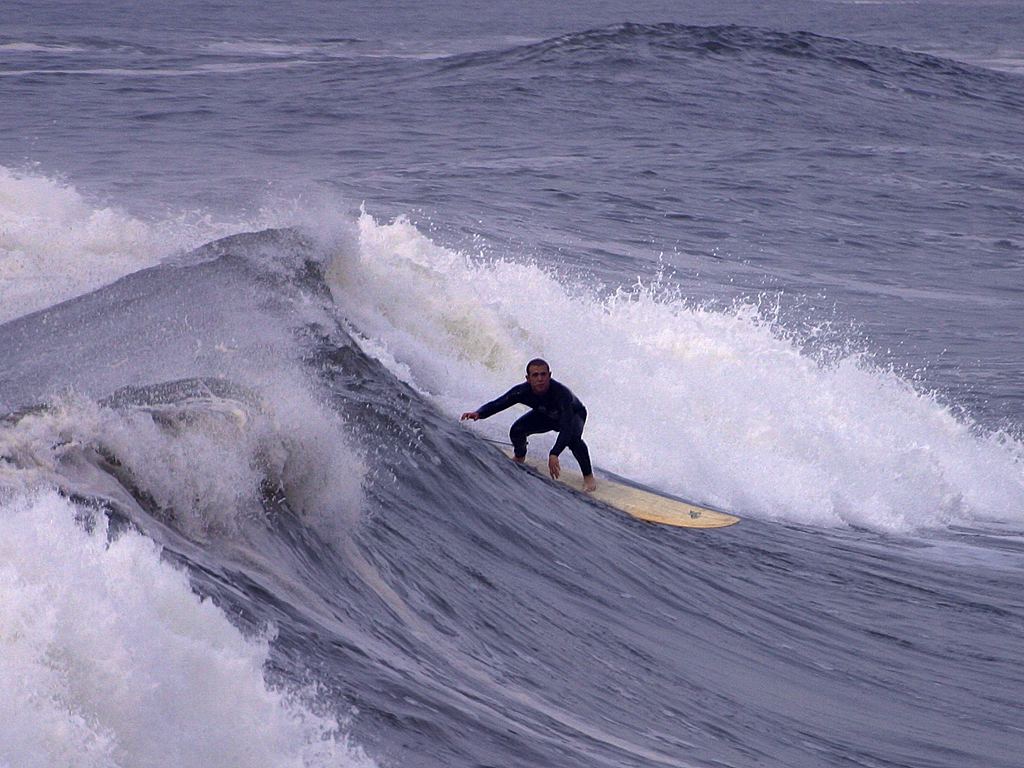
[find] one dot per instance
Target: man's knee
(577, 428)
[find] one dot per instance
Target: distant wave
(629, 45)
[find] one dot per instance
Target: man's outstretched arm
(497, 405)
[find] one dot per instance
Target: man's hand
(554, 467)
(471, 415)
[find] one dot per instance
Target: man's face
(539, 377)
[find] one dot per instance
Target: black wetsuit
(558, 409)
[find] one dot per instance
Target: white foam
(25, 46)
(107, 658)
(55, 244)
(717, 405)
(205, 462)
(283, 48)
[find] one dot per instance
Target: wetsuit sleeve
(566, 415)
(499, 404)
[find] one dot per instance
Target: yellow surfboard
(643, 504)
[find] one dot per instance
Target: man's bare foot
(589, 483)
(519, 459)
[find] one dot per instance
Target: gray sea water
(255, 260)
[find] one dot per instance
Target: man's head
(538, 374)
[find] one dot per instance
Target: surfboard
(636, 500)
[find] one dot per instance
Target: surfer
(553, 408)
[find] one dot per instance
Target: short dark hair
(537, 361)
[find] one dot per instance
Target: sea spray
(57, 243)
(722, 405)
(200, 455)
(110, 659)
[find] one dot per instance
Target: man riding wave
(553, 408)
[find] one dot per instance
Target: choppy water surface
(253, 266)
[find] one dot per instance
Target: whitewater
(252, 269)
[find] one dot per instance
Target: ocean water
(255, 261)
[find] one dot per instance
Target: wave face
(440, 598)
(775, 250)
(110, 654)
